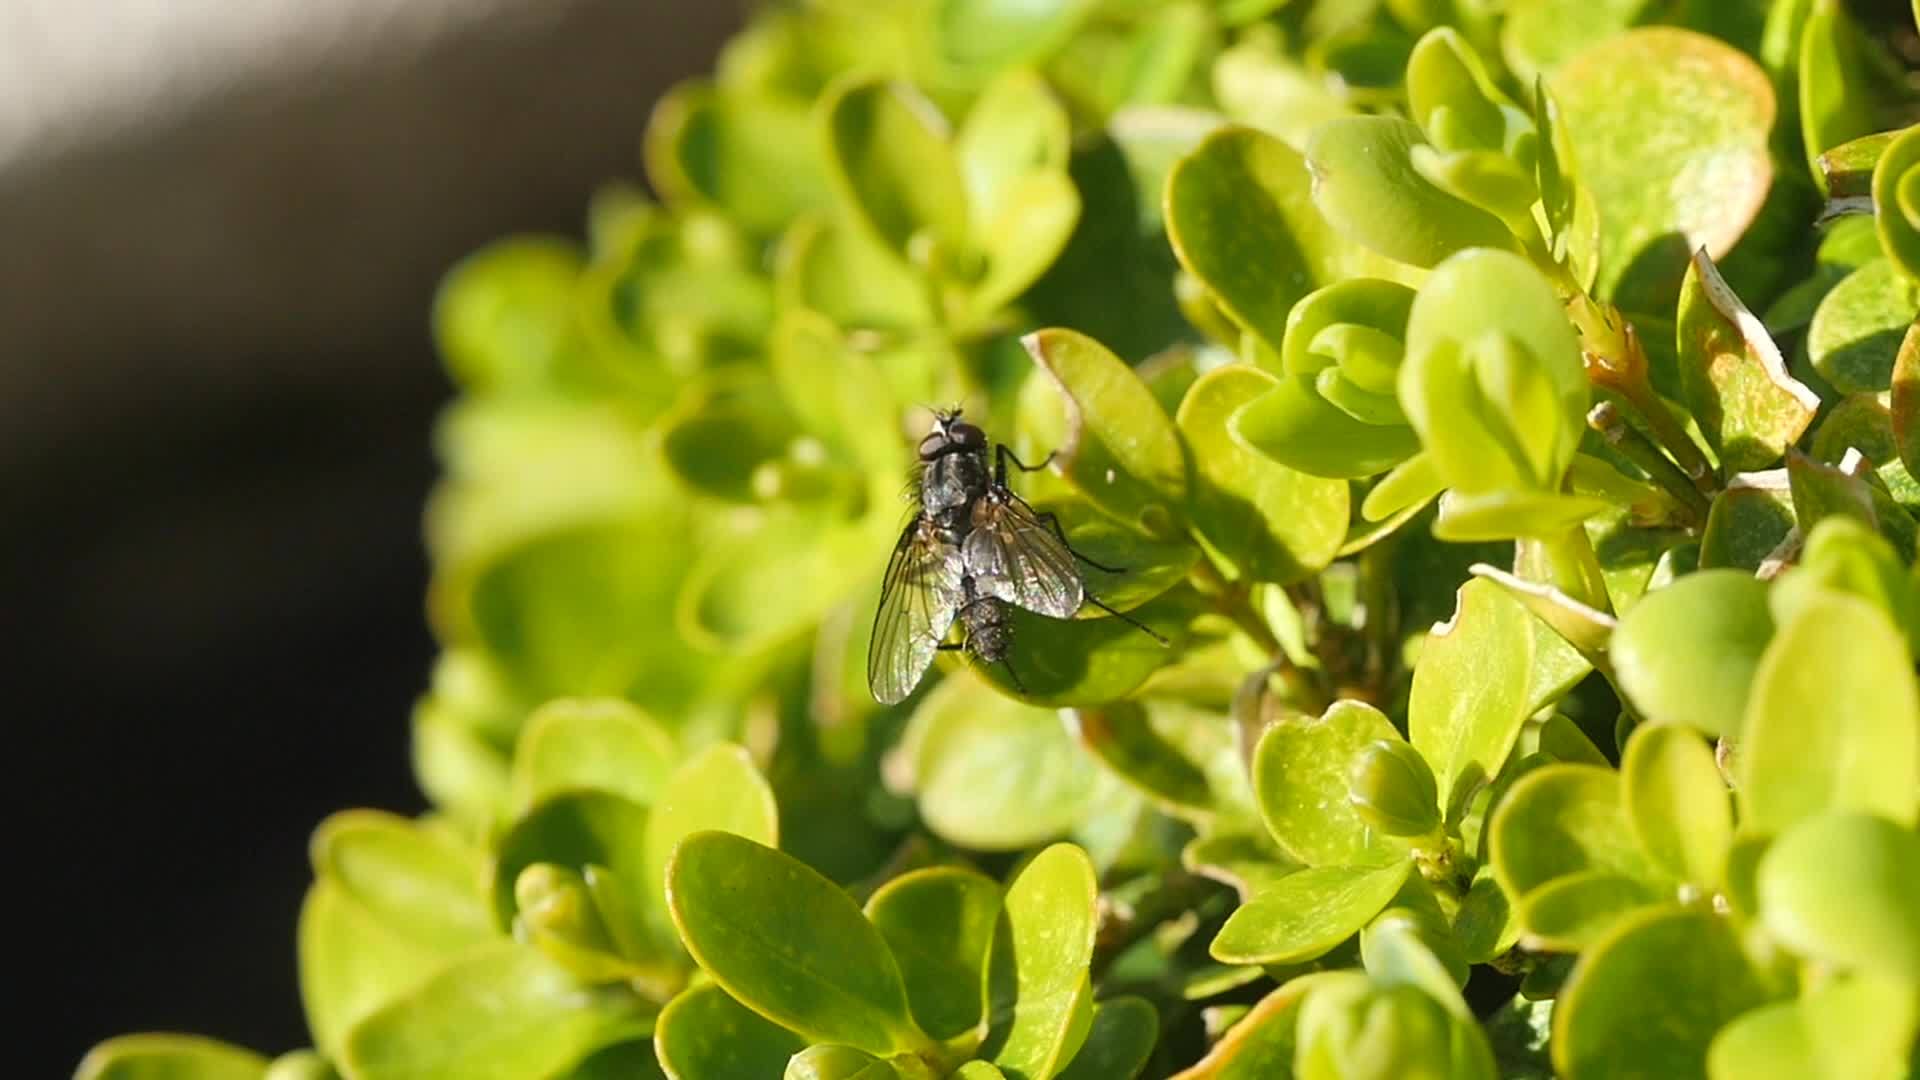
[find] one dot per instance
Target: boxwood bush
(1509, 411)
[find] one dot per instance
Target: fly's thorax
(954, 480)
(949, 526)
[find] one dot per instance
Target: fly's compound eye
(932, 446)
(969, 436)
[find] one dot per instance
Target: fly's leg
(1052, 521)
(1002, 455)
(950, 646)
(1012, 675)
(1126, 618)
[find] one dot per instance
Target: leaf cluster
(1540, 692)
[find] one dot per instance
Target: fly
(972, 547)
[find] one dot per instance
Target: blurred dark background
(220, 229)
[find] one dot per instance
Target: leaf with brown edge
(1732, 376)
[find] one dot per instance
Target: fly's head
(951, 434)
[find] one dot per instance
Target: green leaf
(1451, 96)
(421, 883)
(1560, 820)
(1306, 913)
(1821, 491)
(579, 829)
(993, 35)
(1896, 200)
(703, 1032)
(1115, 279)
(1540, 35)
(1844, 1028)
(1832, 721)
(1260, 1046)
(503, 1011)
(718, 146)
(1484, 927)
(1393, 789)
(1670, 128)
(1357, 325)
(1905, 405)
(1732, 376)
(1571, 912)
(718, 788)
(574, 611)
(309, 1065)
(1127, 740)
(753, 588)
(891, 164)
(1015, 128)
(503, 318)
(1353, 1029)
(1241, 218)
(1748, 521)
(939, 921)
(1686, 654)
(1582, 628)
(831, 266)
(727, 431)
(602, 743)
(689, 296)
(1090, 661)
(1648, 999)
(1857, 329)
(1836, 100)
(835, 390)
(1013, 149)
(1504, 515)
(1846, 171)
(351, 964)
(1039, 996)
(1257, 84)
(789, 943)
(1301, 770)
(1366, 186)
(1032, 223)
(1573, 220)
(1118, 1043)
(169, 1057)
(570, 914)
(1678, 803)
(1245, 861)
(1846, 555)
(1839, 888)
(460, 769)
(997, 775)
(1470, 691)
(1269, 522)
(1116, 444)
(1395, 951)
(1401, 493)
(837, 1063)
(1298, 427)
(1515, 369)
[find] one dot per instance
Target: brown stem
(1615, 361)
(1627, 440)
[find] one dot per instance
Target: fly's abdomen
(989, 635)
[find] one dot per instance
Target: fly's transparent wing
(1015, 556)
(918, 600)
